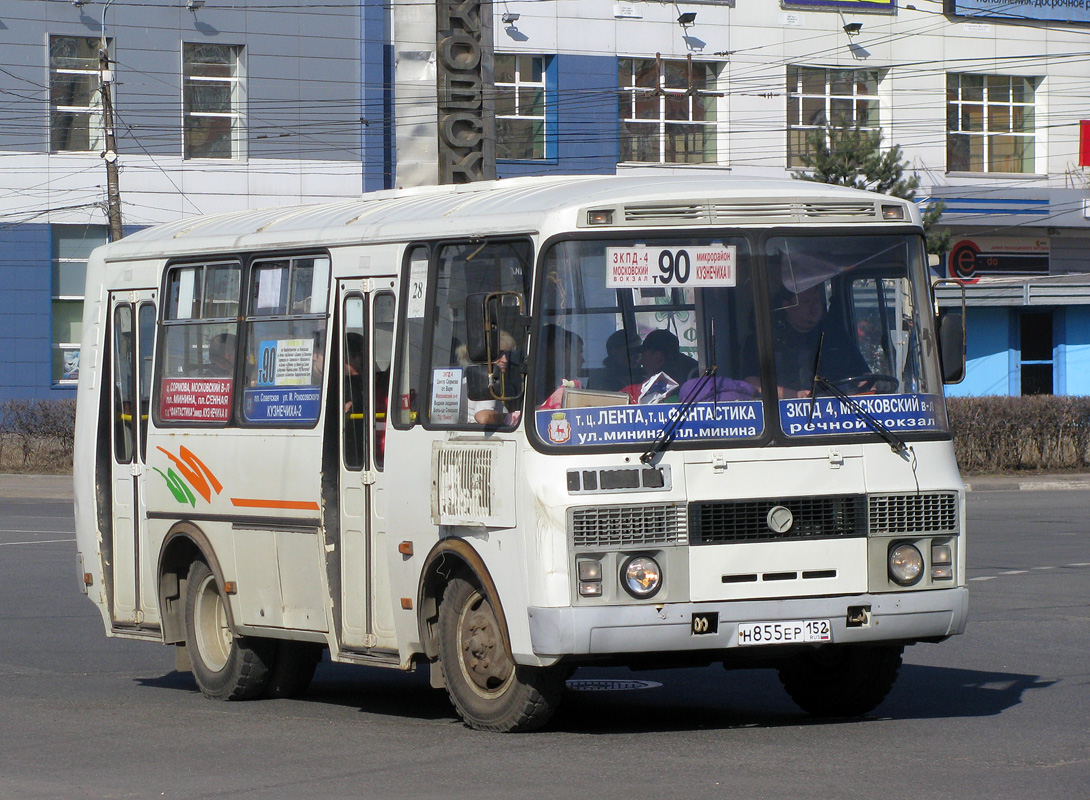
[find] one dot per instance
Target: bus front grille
(897, 514)
(727, 522)
(602, 527)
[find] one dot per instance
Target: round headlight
(905, 564)
(641, 577)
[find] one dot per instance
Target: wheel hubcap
(484, 658)
(214, 637)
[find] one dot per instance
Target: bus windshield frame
(631, 326)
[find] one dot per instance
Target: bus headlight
(641, 577)
(905, 564)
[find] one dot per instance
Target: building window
(668, 110)
(72, 246)
(213, 97)
(1036, 359)
(819, 98)
(75, 103)
(520, 106)
(990, 123)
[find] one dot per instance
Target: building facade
(215, 109)
(986, 100)
(253, 104)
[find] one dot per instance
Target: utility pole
(109, 155)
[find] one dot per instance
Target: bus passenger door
(132, 317)
(366, 330)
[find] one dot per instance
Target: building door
(1036, 348)
(366, 316)
(132, 326)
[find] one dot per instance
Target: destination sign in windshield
(642, 267)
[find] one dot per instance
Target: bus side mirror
(952, 347)
(487, 314)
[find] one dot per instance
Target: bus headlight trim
(905, 564)
(942, 562)
(590, 577)
(641, 577)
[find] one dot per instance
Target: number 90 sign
(645, 267)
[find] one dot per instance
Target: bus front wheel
(225, 666)
(841, 680)
(490, 691)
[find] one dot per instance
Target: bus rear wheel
(841, 680)
(489, 690)
(225, 666)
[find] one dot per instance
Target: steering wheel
(864, 382)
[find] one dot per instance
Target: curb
(35, 487)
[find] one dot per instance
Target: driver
(798, 328)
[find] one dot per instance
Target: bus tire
(293, 669)
(841, 680)
(489, 690)
(225, 666)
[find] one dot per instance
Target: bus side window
(124, 407)
(414, 295)
(354, 398)
(382, 340)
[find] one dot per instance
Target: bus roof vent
(822, 210)
(667, 214)
(743, 213)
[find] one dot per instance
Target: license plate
(807, 630)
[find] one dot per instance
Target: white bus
(507, 429)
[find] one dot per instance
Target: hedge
(991, 434)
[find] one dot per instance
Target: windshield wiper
(670, 431)
(668, 434)
(896, 444)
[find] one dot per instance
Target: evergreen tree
(847, 155)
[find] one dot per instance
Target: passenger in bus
(221, 355)
(621, 366)
(491, 411)
(800, 325)
(661, 352)
(353, 372)
(561, 354)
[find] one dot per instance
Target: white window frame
(92, 111)
(833, 104)
(993, 109)
(235, 115)
(517, 88)
(630, 95)
(93, 236)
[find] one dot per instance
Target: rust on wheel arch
(446, 559)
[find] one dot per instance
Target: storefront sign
(889, 6)
(984, 255)
(1043, 10)
(466, 143)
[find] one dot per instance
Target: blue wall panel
(1076, 350)
(585, 101)
(988, 358)
(25, 306)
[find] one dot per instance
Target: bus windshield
(633, 331)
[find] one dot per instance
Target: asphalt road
(1001, 712)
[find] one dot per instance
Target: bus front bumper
(669, 628)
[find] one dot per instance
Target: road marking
(1044, 568)
(42, 541)
(32, 530)
(1024, 571)
(1014, 572)
(984, 578)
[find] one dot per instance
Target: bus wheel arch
(448, 559)
(183, 544)
(463, 623)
